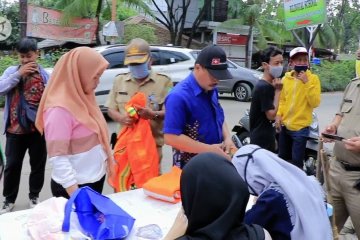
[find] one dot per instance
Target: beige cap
(137, 51)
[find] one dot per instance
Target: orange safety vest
(135, 151)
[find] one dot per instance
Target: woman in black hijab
(214, 199)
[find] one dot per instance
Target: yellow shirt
(298, 99)
(357, 68)
(156, 87)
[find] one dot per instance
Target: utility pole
(113, 17)
(23, 18)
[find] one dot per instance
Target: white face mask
(276, 71)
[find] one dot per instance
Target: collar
(194, 85)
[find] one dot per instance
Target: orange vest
(135, 151)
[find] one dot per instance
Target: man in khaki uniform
(344, 172)
(140, 79)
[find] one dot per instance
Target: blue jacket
(10, 80)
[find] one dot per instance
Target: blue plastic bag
(98, 215)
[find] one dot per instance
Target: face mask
(299, 68)
(139, 71)
(249, 157)
(276, 71)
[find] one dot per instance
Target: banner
(45, 23)
(300, 13)
(231, 39)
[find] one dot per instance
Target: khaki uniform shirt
(155, 87)
(350, 123)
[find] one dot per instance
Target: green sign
(303, 13)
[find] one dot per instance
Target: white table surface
(144, 209)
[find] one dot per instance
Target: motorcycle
(242, 137)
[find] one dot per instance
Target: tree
(175, 18)
(11, 11)
(139, 31)
(261, 18)
(91, 8)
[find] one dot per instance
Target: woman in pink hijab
(75, 130)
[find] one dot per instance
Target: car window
(155, 58)
(230, 64)
(170, 57)
(195, 54)
(115, 59)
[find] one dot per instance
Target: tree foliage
(139, 31)
(11, 11)
(266, 19)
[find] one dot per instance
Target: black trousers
(15, 149)
(58, 191)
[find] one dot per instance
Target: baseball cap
(213, 58)
(297, 51)
(137, 51)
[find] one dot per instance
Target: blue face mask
(276, 71)
(139, 71)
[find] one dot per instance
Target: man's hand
(127, 121)
(278, 124)
(228, 146)
(352, 144)
(145, 113)
(28, 68)
(218, 149)
(302, 76)
(277, 83)
(330, 129)
(179, 227)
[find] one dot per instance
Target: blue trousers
(292, 145)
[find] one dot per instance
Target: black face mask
(249, 156)
(299, 68)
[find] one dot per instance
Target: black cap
(213, 58)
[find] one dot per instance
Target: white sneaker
(7, 207)
(33, 202)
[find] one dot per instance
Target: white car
(176, 62)
(172, 61)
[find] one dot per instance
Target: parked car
(177, 63)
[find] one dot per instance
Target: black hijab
(214, 198)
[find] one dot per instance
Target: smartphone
(332, 136)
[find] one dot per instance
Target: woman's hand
(179, 226)
(70, 190)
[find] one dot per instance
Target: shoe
(7, 207)
(33, 202)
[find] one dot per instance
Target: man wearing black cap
(195, 120)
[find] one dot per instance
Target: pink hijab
(74, 69)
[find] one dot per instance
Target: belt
(348, 166)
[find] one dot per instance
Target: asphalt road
(233, 111)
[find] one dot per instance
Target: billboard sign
(303, 13)
(46, 23)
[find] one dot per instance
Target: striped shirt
(75, 152)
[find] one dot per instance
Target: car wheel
(242, 92)
(244, 138)
(310, 163)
